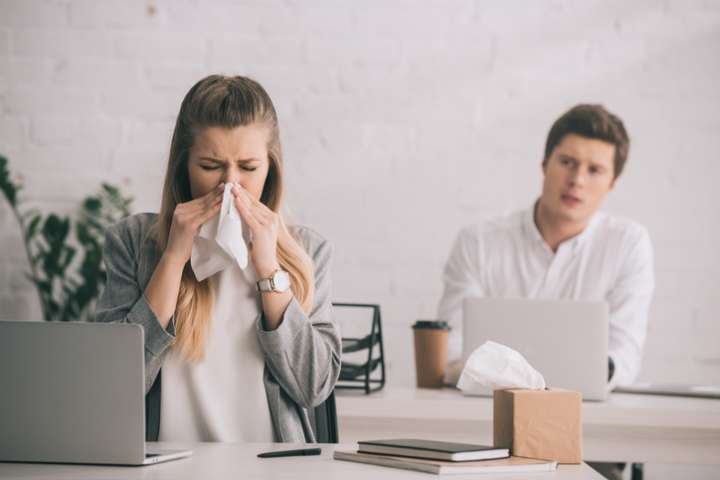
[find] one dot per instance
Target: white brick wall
(401, 121)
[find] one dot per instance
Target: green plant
(67, 274)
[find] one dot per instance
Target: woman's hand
(164, 286)
(263, 224)
(187, 219)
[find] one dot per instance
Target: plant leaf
(31, 229)
(7, 186)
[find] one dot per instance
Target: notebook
(440, 467)
(434, 450)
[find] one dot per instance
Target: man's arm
(629, 302)
(461, 279)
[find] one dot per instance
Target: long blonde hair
(229, 102)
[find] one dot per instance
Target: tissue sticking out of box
(498, 367)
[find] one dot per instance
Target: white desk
(626, 427)
(239, 462)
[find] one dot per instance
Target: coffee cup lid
(436, 324)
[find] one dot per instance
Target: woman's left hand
(263, 224)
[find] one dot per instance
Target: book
(442, 467)
(434, 450)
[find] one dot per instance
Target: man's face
(579, 173)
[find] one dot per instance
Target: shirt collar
(534, 235)
(531, 230)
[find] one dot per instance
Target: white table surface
(239, 462)
(626, 427)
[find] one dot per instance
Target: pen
(290, 453)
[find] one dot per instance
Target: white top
(610, 260)
(222, 398)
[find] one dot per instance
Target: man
(562, 247)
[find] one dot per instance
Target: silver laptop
(566, 341)
(672, 389)
(74, 393)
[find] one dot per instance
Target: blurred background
(401, 121)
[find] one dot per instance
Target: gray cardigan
(302, 356)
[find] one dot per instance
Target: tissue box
(544, 424)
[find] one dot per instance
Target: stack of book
(442, 457)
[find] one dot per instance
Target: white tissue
(220, 242)
(496, 366)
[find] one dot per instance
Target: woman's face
(229, 155)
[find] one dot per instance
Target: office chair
(325, 423)
(152, 410)
(636, 471)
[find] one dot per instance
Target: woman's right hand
(187, 219)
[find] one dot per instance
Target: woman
(238, 363)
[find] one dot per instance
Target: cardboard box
(545, 424)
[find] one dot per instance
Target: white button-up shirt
(611, 260)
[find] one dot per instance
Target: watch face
(281, 280)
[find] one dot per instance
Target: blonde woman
(242, 357)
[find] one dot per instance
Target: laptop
(566, 341)
(672, 389)
(74, 393)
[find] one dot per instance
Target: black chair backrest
(152, 410)
(325, 421)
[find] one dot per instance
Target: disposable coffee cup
(431, 352)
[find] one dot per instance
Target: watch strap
(278, 281)
(265, 285)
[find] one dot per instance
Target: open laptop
(672, 389)
(74, 393)
(566, 341)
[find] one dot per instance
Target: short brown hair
(591, 121)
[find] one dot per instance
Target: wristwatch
(278, 282)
